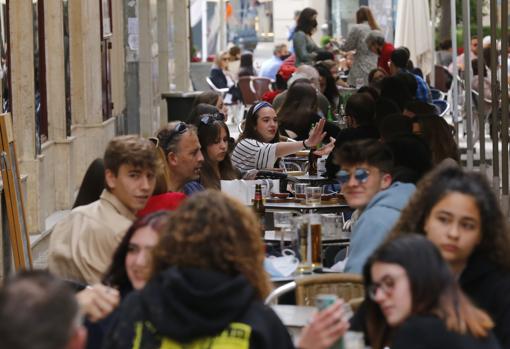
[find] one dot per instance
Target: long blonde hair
(364, 14)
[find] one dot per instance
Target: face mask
(284, 57)
(281, 266)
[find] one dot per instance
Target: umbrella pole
(481, 90)
(433, 33)
(455, 97)
(466, 32)
(495, 97)
(504, 106)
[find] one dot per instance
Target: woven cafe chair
(344, 285)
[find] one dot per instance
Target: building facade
(79, 73)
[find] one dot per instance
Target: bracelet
(304, 145)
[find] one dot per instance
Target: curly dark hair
(495, 243)
(214, 232)
(116, 275)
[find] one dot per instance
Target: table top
(302, 206)
(307, 177)
(294, 315)
(272, 236)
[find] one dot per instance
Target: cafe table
(304, 208)
(315, 181)
(294, 317)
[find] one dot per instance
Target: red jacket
(385, 56)
(167, 201)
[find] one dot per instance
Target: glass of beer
(315, 227)
(300, 227)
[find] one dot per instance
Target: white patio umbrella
(413, 31)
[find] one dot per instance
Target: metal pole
(204, 30)
(433, 33)
(481, 87)
(455, 97)
(504, 106)
(495, 97)
(467, 81)
(223, 13)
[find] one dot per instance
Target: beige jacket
(83, 243)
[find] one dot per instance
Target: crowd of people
(154, 255)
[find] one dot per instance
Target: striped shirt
(251, 154)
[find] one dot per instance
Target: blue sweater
(374, 224)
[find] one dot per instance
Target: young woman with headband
(258, 147)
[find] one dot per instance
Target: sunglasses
(360, 174)
(208, 119)
(179, 129)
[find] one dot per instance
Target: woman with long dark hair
(305, 48)
(246, 67)
(258, 146)
(413, 300)
(328, 87)
(459, 212)
(130, 270)
(214, 138)
(299, 112)
(439, 136)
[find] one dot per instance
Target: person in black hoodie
(460, 214)
(208, 284)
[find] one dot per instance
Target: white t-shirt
(251, 154)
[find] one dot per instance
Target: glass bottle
(258, 206)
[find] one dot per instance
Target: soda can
(323, 301)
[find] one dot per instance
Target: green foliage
(472, 9)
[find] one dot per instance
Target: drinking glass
(332, 225)
(313, 195)
(299, 190)
(302, 243)
(282, 224)
(315, 228)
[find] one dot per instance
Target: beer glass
(315, 228)
(299, 227)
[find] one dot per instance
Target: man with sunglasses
(180, 144)
(366, 183)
